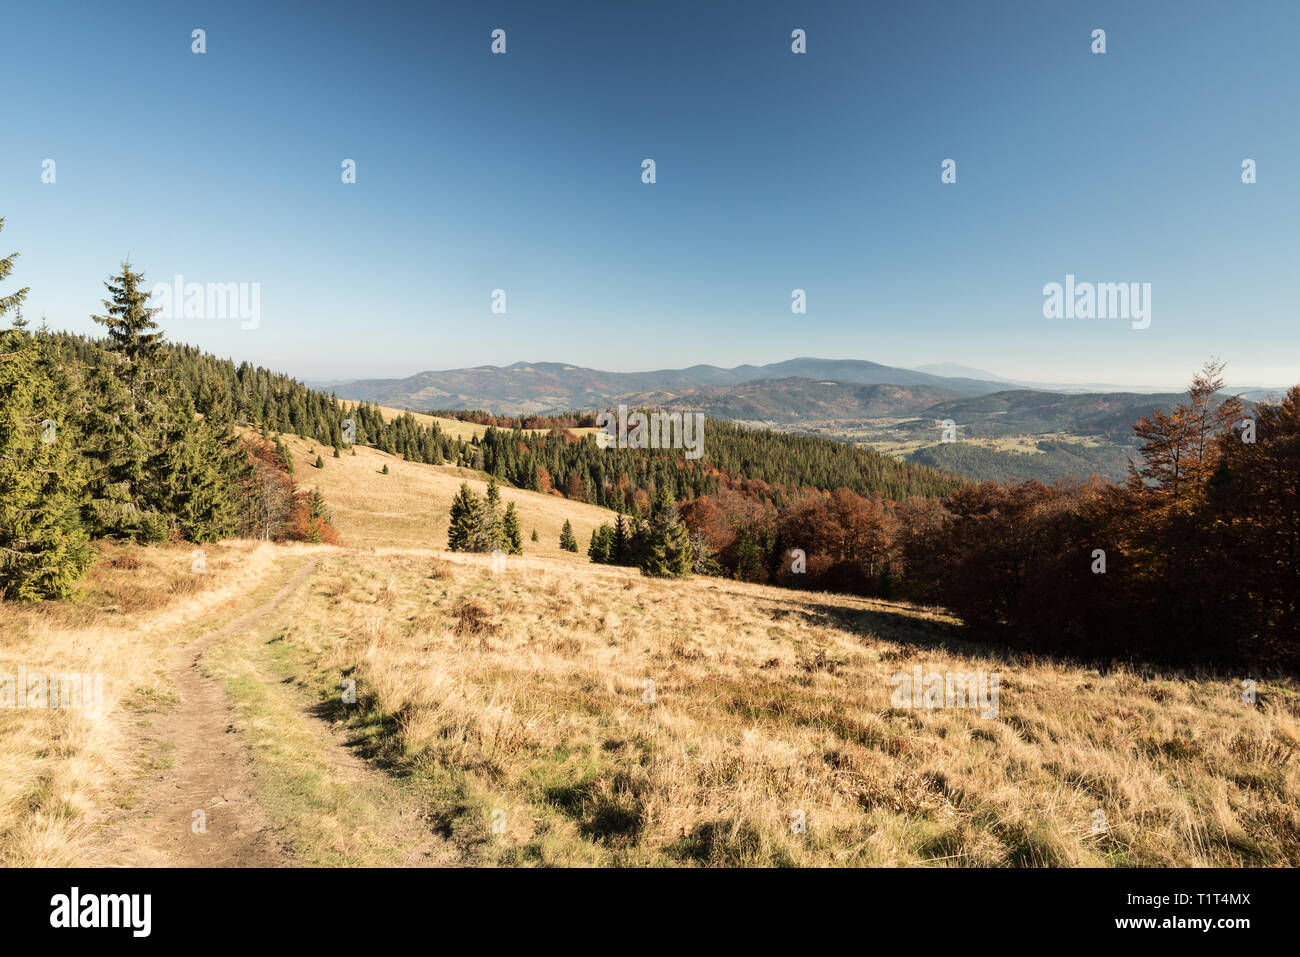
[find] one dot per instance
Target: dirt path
(201, 765)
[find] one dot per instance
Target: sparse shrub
(473, 619)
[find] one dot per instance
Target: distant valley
(1004, 431)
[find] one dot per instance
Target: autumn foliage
(274, 507)
(1193, 560)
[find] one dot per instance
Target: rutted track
(207, 768)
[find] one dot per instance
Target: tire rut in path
(210, 771)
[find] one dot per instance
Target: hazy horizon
(775, 170)
(991, 374)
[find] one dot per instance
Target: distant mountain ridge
(1006, 429)
(546, 387)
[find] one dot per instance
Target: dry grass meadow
(510, 714)
(64, 769)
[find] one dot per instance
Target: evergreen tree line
(759, 463)
(105, 440)
(276, 403)
(660, 545)
(544, 423)
(479, 525)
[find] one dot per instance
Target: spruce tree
(668, 545)
(15, 299)
(602, 541)
(514, 539)
(320, 462)
(126, 416)
(44, 547)
(487, 533)
(567, 541)
(534, 535)
(619, 547)
(464, 508)
(198, 473)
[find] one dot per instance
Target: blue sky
(775, 171)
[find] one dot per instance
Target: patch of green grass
(150, 700)
(329, 814)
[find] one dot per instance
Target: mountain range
(1008, 429)
(548, 387)
(541, 388)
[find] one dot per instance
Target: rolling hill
(502, 717)
(551, 387)
(1005, 431)
(780, 402)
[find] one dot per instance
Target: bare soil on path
(201, 765)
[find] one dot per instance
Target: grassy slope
(465, 431)
(523, 692)
(63, 769)
(410, 507)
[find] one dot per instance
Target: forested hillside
(1052, 460)
(133, 438)
(124, 439)
(1192, 559)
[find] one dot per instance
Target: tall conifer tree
(126, 416)
(514, 539)
(668, 543)
(486, 535)
(44, 548)
(464, 508)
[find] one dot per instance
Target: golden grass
(411, 506)
(327, 807)
(520, 696)
(523, 692)
(62, 768)
(455, 428)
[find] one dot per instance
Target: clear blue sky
(775, 171)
